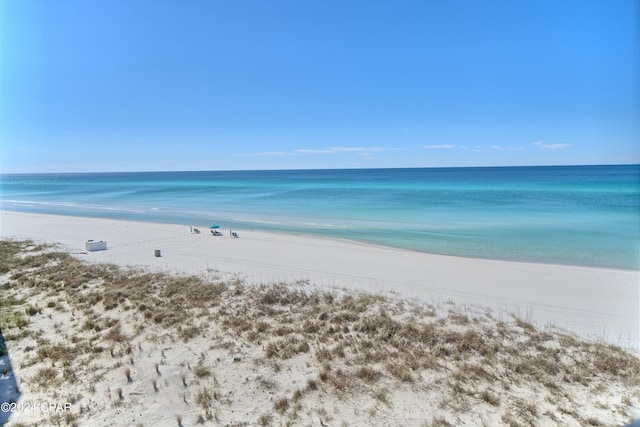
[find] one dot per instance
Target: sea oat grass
(201, 371)
(204, 399)
(368, 374)
(46, 378)
(281, 405)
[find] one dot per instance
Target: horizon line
(322, 169)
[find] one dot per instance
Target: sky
(150, 85)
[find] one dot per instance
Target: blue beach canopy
(214, 226)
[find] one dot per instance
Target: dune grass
(361, 345)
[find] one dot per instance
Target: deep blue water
(579, 215)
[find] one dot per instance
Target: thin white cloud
(550, 147)
(314, 151)
(440, 146)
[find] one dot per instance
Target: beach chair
(234, 235)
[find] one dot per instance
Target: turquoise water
(578, 215)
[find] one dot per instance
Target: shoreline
(345, 240)
(594, 303)
(551, 256)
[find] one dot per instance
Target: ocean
(575, 215)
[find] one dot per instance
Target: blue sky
(216, 85)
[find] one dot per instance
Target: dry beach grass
(131, 347)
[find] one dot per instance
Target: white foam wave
(72, 205)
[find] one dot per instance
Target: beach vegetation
(525, 325)
(281, 405)
(439, 421)
(340, 380)
(490, 397)
(368, 374)
(267, 383)
(12, 319)
(201, 371)
(204, 399)
(265, 420)
(32, 310)
(189, 332)
(57, 353)
(45, 378)
(297, 395)
(91, 325)
(115, 335)
(382, 395)
(352, 342)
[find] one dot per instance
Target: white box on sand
(96, 246)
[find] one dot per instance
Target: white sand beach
(431, 342)
(594, 303)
